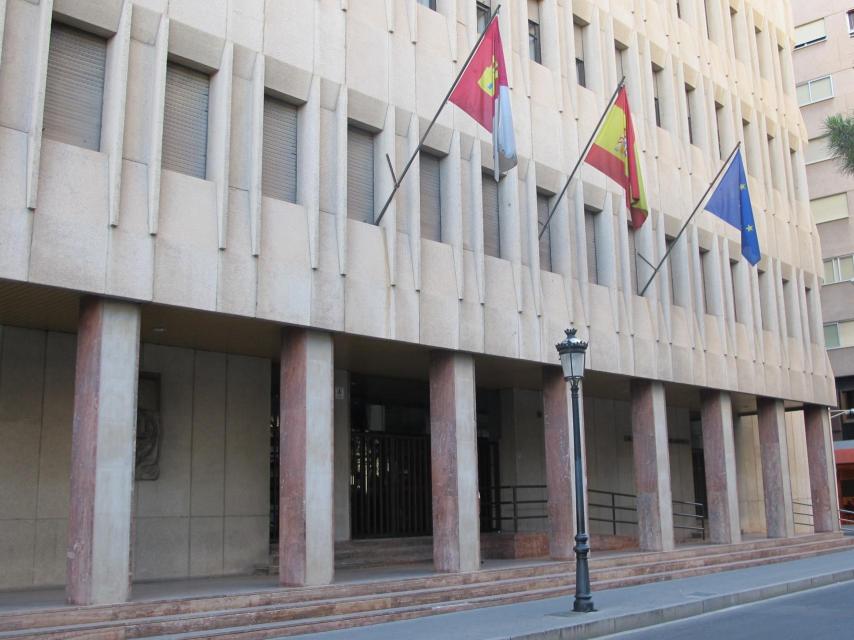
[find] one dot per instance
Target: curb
(641, 619)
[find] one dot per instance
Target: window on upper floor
(668, 244)
(633, 260)
(491, 216)
(678, 9)
(839, 334)
(431, 197)
(829, 208)
(736, 289)
(185, 120)
(764, 66)
(839, 269)
(620, 52)
(430, 4)
(810, 33)
(279, 164)
(705, 302)
(656, 92)
(815, 90)
(765, 299)
(817, 150)
(543, 209)
(736, 43)
(790, 305)
(850, 17)
(719, 125)
(578, 35)
(689, 109)
(590, 234)
(74, 89)
(484, 13)
(708, 21)
(360, 174)
(535, 49)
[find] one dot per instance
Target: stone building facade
(208, 345)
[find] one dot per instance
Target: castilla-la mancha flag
(614, 152)
(484, 94)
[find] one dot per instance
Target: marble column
(719, 458)
(652, 466)
(825, 500)
(306, 503)
(774, 452)
(103, 443)
(560, 470)
(453, 451)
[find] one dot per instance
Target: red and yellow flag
(614, 153)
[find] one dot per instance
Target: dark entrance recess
(390, 485)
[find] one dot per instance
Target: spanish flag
(484, 94)
(614, 153)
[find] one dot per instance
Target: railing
(515, 503)
(846, 520)
(803, 510)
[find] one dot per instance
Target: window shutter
(185, 121)
(491, 224)
(590, 232)
(279, 173)
(546, 238)
(360, 175)
(431, 198)
(74, 91)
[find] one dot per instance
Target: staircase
(374, 552)
(283, 612)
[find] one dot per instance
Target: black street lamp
(571, 352)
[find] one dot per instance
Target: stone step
(348, 620)
(323, 606)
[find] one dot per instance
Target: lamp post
(571, 352)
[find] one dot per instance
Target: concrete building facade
(824, 48)
(208, 346)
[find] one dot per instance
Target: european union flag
(731, 203)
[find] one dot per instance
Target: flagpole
(620, 85)
(406, 167)
(724, 166)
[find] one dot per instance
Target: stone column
(453, 450)
(775, 468)
(719, 456)
(825, 500)
(103, 442)
(306, 537)
(557, 413)
(652, 466)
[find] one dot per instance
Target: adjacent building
(211, 354)
(824, 48)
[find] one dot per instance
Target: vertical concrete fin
(308, 172)
(34, 135)
(155, 143)
(412, 189)
(531, 223)
(2, 27)
(383, 184)
(476, 187)
(219, 137)
(341, 177)
(115, 99)
(452, 209)
(256, 154)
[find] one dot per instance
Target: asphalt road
(818, 614)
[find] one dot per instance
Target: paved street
(819, 614)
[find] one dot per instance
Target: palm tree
(840, 131)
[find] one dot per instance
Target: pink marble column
(652, 466)
(719, 458)
(825, 501)
(453, 451)
(306, 505)
(774, 452)
(559, 463)
(103, 439)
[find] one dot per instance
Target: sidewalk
(618, 609)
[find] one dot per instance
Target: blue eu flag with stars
(731, 203)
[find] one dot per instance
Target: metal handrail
(497, 501)
(846, 522)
